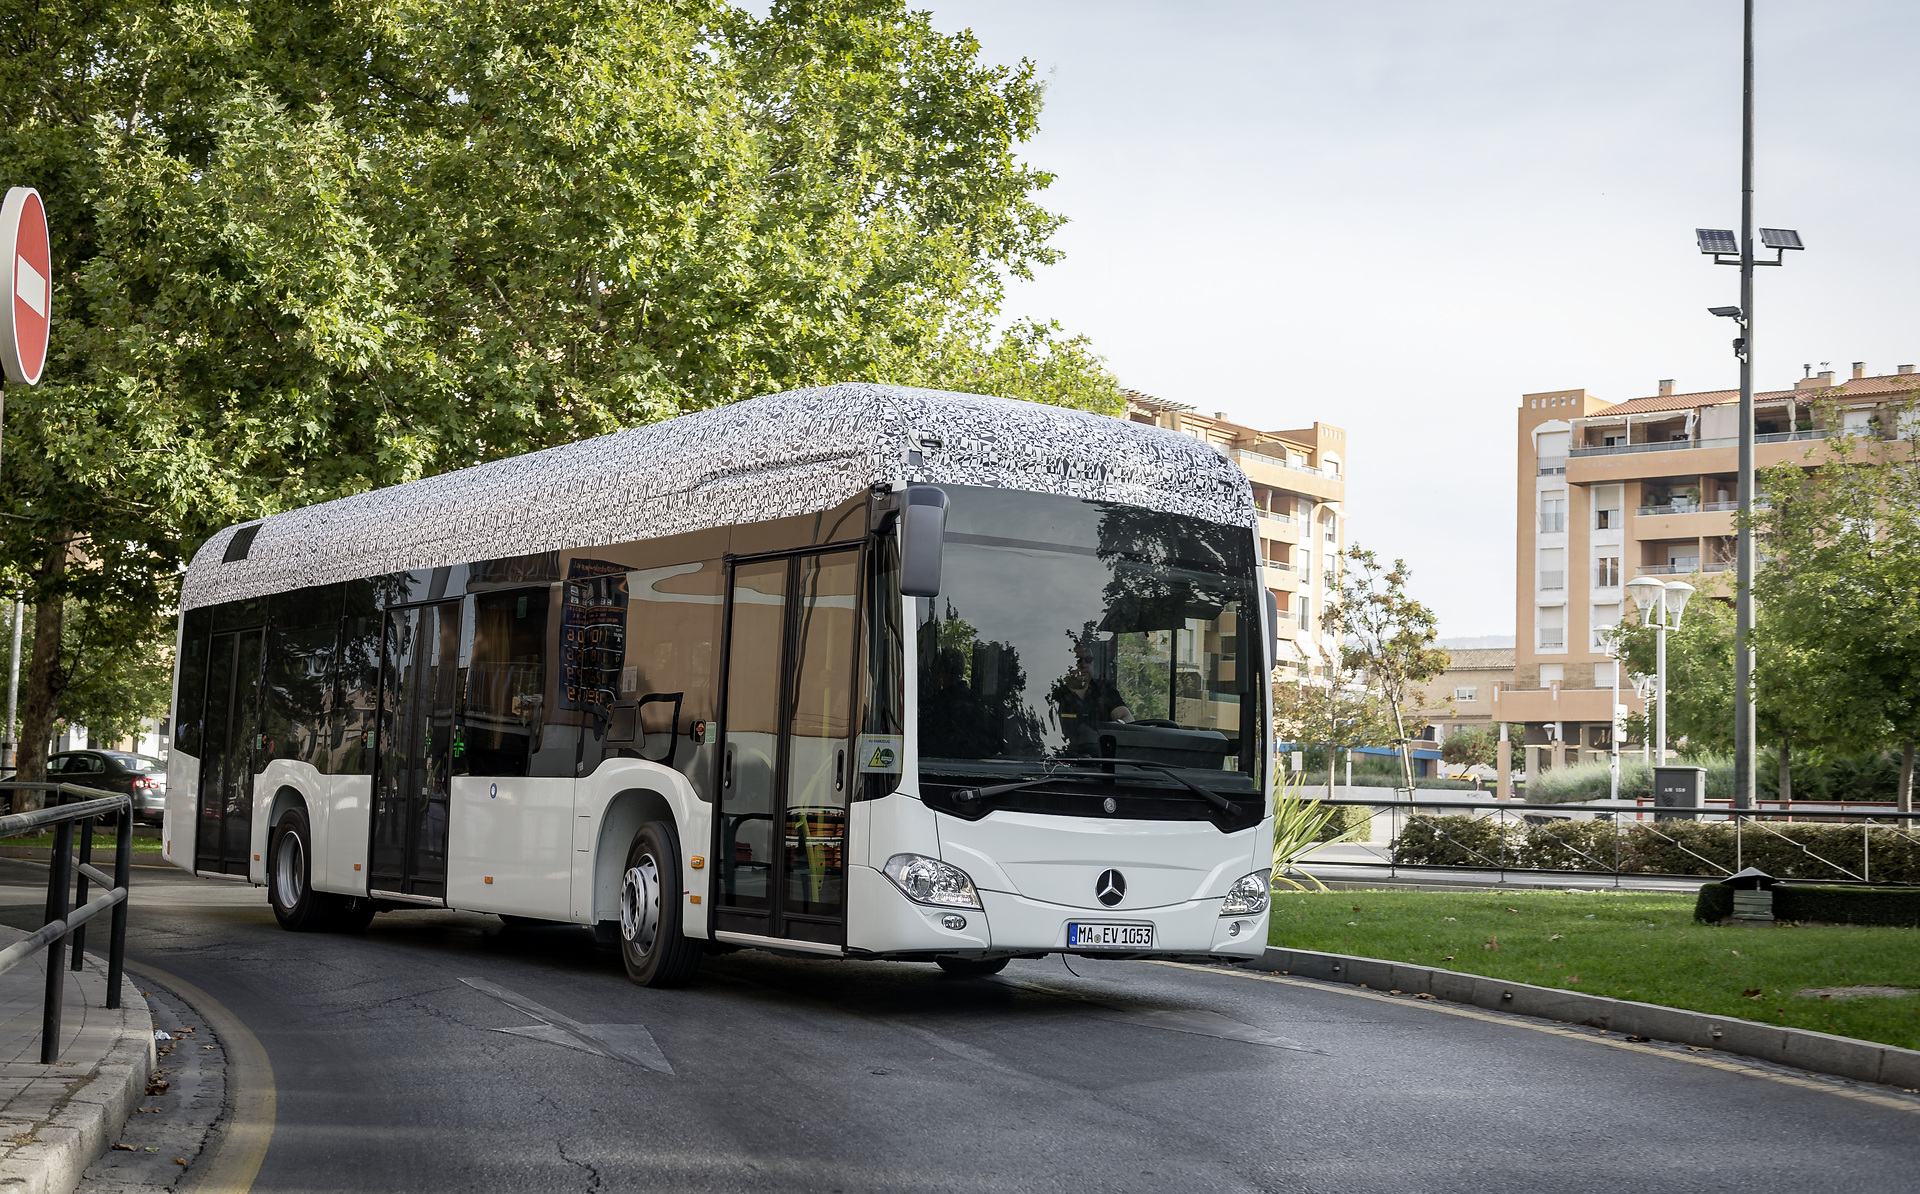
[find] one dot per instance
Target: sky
(1399, 217)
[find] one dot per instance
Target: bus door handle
(726, 776)
(840, 770)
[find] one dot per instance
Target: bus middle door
(419, 667)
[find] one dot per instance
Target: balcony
(1677, 568)
(1783, 437)
(1288, 519)
(1278, 462)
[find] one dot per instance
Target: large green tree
(308, 249)
(1841, 588)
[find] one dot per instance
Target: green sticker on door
(880, 753)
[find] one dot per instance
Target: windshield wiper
(1211, 797)
(968, 796)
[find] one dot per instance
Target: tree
(1330, 709)
(1386, 636)
(1478, 746)
(1699, 673)
(1841, 589)
(304, 251)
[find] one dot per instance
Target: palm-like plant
(1298, 823)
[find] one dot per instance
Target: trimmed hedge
(1677, 847)
(1347, 816)
(1894, 906)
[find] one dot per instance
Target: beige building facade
(1608, 492)
(1300, 486)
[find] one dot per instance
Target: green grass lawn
(102, 843)
(1628, 946)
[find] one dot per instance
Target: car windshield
(139, 764)
(1070, 629)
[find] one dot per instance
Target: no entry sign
(27, 310)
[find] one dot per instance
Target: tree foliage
(1841, 590)
(306, 250)
(1386, 637)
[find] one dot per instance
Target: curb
(96, 1108)
(1800, 1048)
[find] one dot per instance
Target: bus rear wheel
(971, 967)
(653, 947)
(296, 905)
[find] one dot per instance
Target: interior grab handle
(840, 770)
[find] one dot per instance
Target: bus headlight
(930, 881)
(1248, 894)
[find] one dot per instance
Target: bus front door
(419, 664)
(785, 753)
(224, 835)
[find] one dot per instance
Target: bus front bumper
(888, 924)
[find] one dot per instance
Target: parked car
(142, 777)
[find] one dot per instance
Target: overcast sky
(1399, 217)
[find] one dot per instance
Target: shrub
(1896, 906)
(1458, 840)
(1347, 817)
(1567, 846)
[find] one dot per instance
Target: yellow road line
(1469, 1013)
(234, 1155)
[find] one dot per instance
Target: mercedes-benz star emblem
(1110, 888)
(1110, 805)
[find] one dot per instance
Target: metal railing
(64, 872)
(1629, 839)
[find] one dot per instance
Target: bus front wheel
(656, 952)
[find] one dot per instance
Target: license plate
(1109, 936)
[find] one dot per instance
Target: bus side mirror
(1273, 629)
(923, 529)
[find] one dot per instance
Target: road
(395, 1073)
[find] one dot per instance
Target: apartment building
(1299, 484)
(1648, 487)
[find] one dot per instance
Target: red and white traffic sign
(27, 312)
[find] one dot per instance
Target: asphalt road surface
(442, 1052)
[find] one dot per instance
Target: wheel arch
(627, 810)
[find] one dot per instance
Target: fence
(63, 920)
(1848, 845)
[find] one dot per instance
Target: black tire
(655, 951)
(971, 967)
(296, 905)
(353, 915)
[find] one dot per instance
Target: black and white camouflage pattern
(751, 461)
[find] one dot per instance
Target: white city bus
(858, 671)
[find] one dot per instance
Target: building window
(1606, 572)
(1551, 629)
(1553, 512)
(1332, 524)
(1305, 605)
(1466, 694)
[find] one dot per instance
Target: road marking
(234, 1154)
(1467, 1013)
(631, 1043)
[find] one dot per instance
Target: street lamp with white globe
(1661, 604)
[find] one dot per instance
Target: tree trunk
(1903, 798)
(46, 680)
(1406, 747)
(1786, 767)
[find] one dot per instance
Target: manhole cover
(1854, 992)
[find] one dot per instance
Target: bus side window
(356, 681)
(506, 682)
(672, 643)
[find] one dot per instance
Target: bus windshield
(1069, 629)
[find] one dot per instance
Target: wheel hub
(290, 868)
(640, 903)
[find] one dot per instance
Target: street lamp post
(1725, 250)
(1660, 606)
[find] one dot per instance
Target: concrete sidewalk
(55, 1119)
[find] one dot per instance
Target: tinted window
(506, 684)
(192, 695)
(356, 681)
(302, 635)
